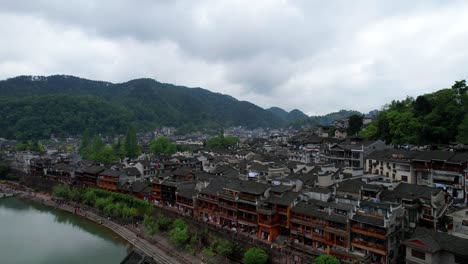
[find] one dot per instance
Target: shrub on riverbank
(117, 205)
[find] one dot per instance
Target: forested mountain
(55, 104)
(435, 118)
(324, 120)
(290, 117)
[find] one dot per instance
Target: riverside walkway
(160, 252)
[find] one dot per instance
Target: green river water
(37, 234)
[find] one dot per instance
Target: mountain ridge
(143, 103)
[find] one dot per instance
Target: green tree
(220, 143)
(89, 197)
(224, 248)
(151, 224)
(354, 124)
(75, 194)
(4, 170)
(179, 234)
(422, 106)
(162, 146)
(326, 259)
(85, 144)
(61, 191)
(370, 132)
(463, 131)
(119, 150)
(255, 256)
(132, 150)
(164, 222)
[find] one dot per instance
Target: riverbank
(159, 250)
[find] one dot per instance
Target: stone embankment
(159, 251)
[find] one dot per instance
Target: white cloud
(314, 56)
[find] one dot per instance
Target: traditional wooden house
(111, 179)
(89, 176)
(274, 213)
(186, 198)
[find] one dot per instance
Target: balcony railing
(208, 198)
(374, 247)
(282, 210)
(369, 231)
(247, 208)
(266, 222)
(229, 206)
(247, 219)
(266, 211)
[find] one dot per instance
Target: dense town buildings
(361, 201)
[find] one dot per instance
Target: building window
(404, 178)
(418, 254)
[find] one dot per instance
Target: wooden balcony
(208, 199)
(282, 210)
(227, 196)
(227, 216)
(266, 211)
(376, 248)
(267, 222)
(318, 237)
(249, 209)
(247, 219)
(332, 242)
(228, 206)
(367, 231)
(337, 230)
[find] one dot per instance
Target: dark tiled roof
(428, 155)
(460, 157)
(203, 176)
(248, 187)
(258, 167)
(371, 187)
(308, 178)
(182, 171)
(64, 167)
(410, 192)
(398, 155)
(436, 241)
(285, 199)
(111, 173)
(350, 186)
(132, 171)
(186, 190)
(215, 186)
(280, 188)
(319, 190)
(385, 206)
(94, 169)
(137, 187)
(369, 220)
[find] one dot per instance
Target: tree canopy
(221, 142)
(326, 259)
(162, 146)
(67, 105)
(255, 256)
(435, 118)
(355, 124)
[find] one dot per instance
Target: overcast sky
(316, 56)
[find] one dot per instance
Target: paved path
(159, 252)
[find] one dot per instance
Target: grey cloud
(313, 55)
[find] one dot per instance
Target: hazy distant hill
(290, 117)
(144, 103)
(325, 120)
